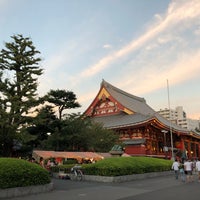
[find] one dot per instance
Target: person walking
(198, 169)
(182, 172)
(175, 167)
(188, 169)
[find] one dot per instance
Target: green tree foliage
(19, 65)
(59, 100)
(101, 139)
(42, 125)
(19, 72)
(81, 134)
(62, 99)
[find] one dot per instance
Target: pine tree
(62, 99)
(19, 71)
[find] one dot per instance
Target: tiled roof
(121, 120)
(134, 103)
(168, 123)
(142, 111)
(124, 120)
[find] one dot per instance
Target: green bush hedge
(126, 166)
(20, 173)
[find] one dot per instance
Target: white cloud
(107, 46)
(149, 79)
(178, 12)
(179, 16)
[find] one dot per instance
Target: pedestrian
(198, 169)
(188, 169)
(175, 167)
(42, 162)
(182, 172)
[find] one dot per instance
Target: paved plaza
(165, 188)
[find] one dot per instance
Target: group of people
(186, 169)
(48, 164)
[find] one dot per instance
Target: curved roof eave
(122, 120)
(169, 124)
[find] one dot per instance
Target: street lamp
(170, 121)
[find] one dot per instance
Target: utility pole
(170, 126)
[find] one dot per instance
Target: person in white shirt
(188, 170)
(198, 169)
(175, 167)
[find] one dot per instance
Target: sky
(148, 48)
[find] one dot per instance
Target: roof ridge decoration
(134, 103)
(105, 104)
(108, 85)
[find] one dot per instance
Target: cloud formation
(177, 13)
(178, 62)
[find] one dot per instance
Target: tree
(19, 65)
(82, 134)
(78, 133)
(99, 139)
(42, 125)
(63, 100)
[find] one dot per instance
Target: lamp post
(170, 121)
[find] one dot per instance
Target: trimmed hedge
(120, 166)
(19, 173)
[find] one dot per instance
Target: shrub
(65, 167)
(126, 166)
(19, 173)
(70, 161)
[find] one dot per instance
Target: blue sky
(136, 45)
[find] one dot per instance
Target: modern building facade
(142, 130)
(178, 116)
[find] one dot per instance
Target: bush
(70, 161)
(126, 166)
(66, 168)
(20, 173)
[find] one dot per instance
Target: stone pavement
(165, 188)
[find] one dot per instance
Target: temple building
(142, 130)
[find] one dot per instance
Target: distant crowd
(51, 162)
(187, 170)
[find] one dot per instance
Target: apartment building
(178, 116)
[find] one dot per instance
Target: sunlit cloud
(176, 14)
(184, 67)
(150, 78)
